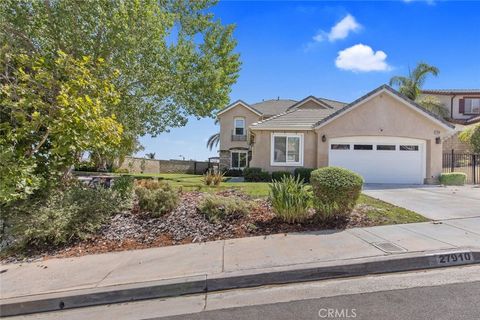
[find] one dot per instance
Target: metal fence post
(452, 167)
(474, 167)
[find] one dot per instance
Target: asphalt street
(446, 302)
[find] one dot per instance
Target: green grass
(385, 213)
(194, 182)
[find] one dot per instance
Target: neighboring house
(463, 105)
(383, 136)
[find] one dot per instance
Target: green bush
(303, 173)
(156, 198)
(278, 175)
(335, 190)
(123, 185)
(453, 178)
(61, 216)
(256, 175)
(217, 208)
(290, 199)
(121, 170)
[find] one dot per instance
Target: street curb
(225, 281)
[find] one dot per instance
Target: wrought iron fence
(467, 163)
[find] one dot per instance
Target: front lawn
(191, 182)
(179, 213)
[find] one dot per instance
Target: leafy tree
(175, 60)
(471, 135)
(411, 87)
(51, 112)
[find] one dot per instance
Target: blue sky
(338, 50)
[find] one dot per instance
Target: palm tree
(213, 141)
(411, 87)
(150, 155)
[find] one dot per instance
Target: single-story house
(383, 136)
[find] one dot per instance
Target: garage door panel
(381, 166)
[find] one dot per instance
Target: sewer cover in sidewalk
(389, 247)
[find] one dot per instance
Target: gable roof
(273, 107)
(296, 119)
(307, 99)
(451, 91)
(242, 103)
(395, 94)
(333, 103)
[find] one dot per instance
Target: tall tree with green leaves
(50, 113)
(175, 60)
(411, 87)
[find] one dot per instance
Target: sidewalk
(233, 257)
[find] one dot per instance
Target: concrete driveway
(433, 202)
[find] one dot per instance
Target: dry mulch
(136, 230)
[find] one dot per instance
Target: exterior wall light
(324, 138)
(438, 140)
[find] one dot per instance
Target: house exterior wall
(226, 126)
(454, 143)
(446, 100)
(384, 115)
(261, 150)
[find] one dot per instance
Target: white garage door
(380, 159)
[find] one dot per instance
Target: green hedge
(278, 175)
(256, 175)
(336, 191)
(453, 178)
(303, 173)
(233, 173)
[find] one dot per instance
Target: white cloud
(362, 58)
(339, 31)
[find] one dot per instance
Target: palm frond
(213, 141)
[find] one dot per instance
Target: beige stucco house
(383, 136)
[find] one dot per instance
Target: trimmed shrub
(335, 190)
(303, 173)
(156, 198)
(453, 178)
(290, 199)
(278, 175)
(121, 170)
(234, 173)
(217, 208)
(61, 216)
(256, 175)
(123, 185)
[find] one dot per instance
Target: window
(408, 148)
(287, 149)
(239, 126)
(340, 147)
(362, 147)
(472, 105)
(239, 159)
(386, 147)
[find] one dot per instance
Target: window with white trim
(239, 126)
(239, 159)
(287, 149)
(472, 105)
